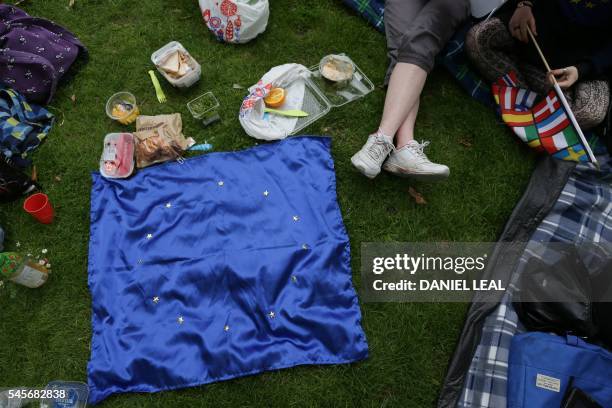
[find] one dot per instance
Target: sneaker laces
(380, 149)
(419, 148)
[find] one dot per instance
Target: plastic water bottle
(22, 270)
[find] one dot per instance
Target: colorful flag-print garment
(543, 126)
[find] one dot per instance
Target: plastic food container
(205, 108)
(188, 79)
(66, 394)
(117, 160)
(321, 95)
(122, 107)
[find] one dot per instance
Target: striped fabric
(582, 214)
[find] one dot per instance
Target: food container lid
(315, 104)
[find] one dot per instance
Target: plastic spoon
(296, 113)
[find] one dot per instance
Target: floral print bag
(235, 21)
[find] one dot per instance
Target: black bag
(13, 183)
(585, 313)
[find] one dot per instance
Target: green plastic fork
(161, 97)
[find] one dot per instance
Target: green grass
(45, 333)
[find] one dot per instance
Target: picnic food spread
(164, 287)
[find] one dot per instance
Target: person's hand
(566, 77)
(521, 20)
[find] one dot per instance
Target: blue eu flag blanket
(226, 265)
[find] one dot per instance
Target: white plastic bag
(235, 21)
(261, 125)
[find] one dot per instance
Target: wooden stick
(539, 50)
(564, 102)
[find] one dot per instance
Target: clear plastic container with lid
(194, 69)
(205, 108)
(321, 94)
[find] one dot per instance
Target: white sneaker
(411, 161)
(373, 154)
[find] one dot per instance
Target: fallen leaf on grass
(418, 197)
(237, 86)
(465, 142)
(73, 98)
(71, 3)
(58, 178)
(34, 174)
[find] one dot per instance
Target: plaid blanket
(582, 214)
(372, 10)
(453, 57)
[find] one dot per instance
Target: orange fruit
(275, 98)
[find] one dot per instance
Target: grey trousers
(417, 30)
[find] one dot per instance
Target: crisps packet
(159, 139)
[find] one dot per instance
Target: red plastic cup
(39, 207)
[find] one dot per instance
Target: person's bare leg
(398, 121)
(405, 134)
(408, 159)
(403, 93)
(413, 42)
